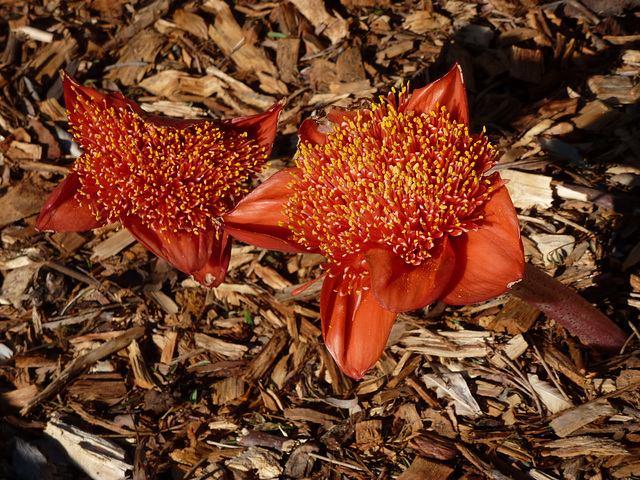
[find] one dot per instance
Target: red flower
(167, 180)
(400, 201)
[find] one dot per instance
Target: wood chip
(528, 190)
(583, 445)
(98, 457)
(569, 422)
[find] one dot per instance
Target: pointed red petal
(258, 218)
(448, 91)
(400, 287)
(309, 131)
(77, 97)
(214, 271)
(355, 327)
(63, 212)
(488, 259)
(261, 127)
(316, 133)
(187, 253)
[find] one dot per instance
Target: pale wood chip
(232, 351)
(335, 28)
(423, 21)
(141, 374)
(264, 461)
(227, 390)
(569, 422)
(583, 445)
(112, 245)
(460, 344)
(98, 457)
(261, 364)
(528, 190)
(231, 39)
(269, 276)
(191, 22)
(18, 398)
(310, 415)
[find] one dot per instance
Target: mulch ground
(113, 364)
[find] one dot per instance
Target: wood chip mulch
(114, 365)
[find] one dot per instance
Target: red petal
(261, 127)
(186, 252)
(77, 96)
(400, 287)
(258, 219)
(63, 212)
(488, 259)
(448, 91)
(309, 131)
(214, 271)
(355, 327)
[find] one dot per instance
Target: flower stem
(569, 309)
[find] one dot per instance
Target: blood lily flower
(400, 200)
(168, 181)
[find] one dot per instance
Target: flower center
(173, 179)
(390, 178)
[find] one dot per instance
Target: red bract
(400, 201)
(167, 180)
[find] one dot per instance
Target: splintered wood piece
(583, 445)
(515, 317)
(227, 390)
(103, 387)
(261, 364)
(310, 415)
(550, 395)
(98, 457)
(461, 344)
(170, 83)
(528, 190)
(614, 88)
(141, 20)
(271, 277)
(139, 55)
(19, 398)
(191, 22)
(596, 116)
(264, 461)
(569, 422)
(77, 365)
(112, 245)
(335, 28)
(141, 374)
(169, 347)
(53, 56)
(454, 386)
(423, 21)
(231, 39)
(411, 417)
(232, 351)
(164, 301)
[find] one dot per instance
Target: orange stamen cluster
(390, 178)
(174, 179)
